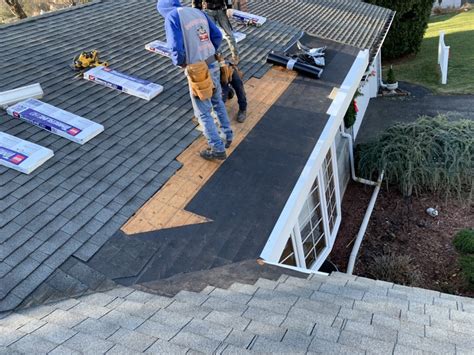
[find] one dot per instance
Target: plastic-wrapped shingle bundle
(21, 155)
(55, 120)
(128, 84)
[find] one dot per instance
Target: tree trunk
(16, 8)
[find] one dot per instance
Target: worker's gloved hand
(229, 13)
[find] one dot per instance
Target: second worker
(219, 11)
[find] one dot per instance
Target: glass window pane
(320, 245)
(330, 191)
(308, 246)
(311, 223)
(288, 256)
(306, 231)
(315, 196)
(310, 259)
(304, 215)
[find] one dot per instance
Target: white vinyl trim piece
(11, 97)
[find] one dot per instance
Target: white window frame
(332, 235)
(289, 216)
(328, 235)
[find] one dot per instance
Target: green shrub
(464, 241)
(391, 76)
(467, 266)
(429, 155)
(408, 27)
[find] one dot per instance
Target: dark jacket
(212, 4)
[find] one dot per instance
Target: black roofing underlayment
(246, 195)
(77, 200)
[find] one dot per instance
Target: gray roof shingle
(351, 22)
(323, 314)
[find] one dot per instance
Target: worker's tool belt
(200, 80)
(240, 72)
(213, 5)
(226, 73)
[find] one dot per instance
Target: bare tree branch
(16, 8)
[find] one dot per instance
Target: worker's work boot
(241, 116)
(210, 154)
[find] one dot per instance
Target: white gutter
(370, 208)
(379, 50)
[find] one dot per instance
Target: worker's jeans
(220, 19)
(203, 109)
(238, 85)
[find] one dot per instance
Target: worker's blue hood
(166, 6)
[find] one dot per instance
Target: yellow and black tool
(86, 60)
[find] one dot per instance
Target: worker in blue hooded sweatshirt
(193, 39)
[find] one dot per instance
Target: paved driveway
(384, 112)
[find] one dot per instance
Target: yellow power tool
(86, 60)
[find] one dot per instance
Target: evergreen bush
(408, 27)
(464, 241)
(391, 76)
(351, 114)
(429, 155)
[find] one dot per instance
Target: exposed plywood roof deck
(167, 209)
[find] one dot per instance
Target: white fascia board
(289, 216)
(11, 97)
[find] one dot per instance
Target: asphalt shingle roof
(322, 314)
(77, 200)
(351, 22)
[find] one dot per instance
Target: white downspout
(351, 158)
(370, 208)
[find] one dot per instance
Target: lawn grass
(423, 68)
